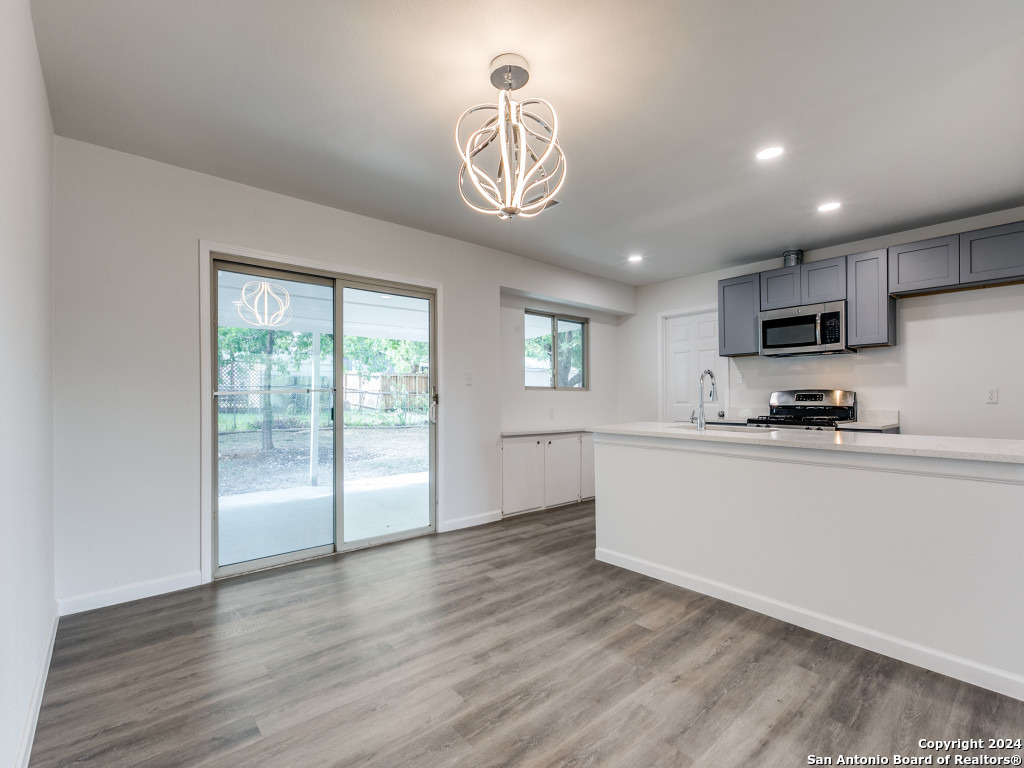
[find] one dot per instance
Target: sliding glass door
(388, 415)
(275, 417)
(280, 382)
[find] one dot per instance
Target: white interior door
(690, 347)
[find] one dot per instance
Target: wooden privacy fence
(385, 391)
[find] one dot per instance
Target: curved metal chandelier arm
(546, 180)
(464, 115)
(484, 185)
(528, 175)
(552, 142)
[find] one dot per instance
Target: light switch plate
(991, 395)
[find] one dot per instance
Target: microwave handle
(817, 329)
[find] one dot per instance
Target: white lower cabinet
(539, 471)
(561, 469)
(522, 474)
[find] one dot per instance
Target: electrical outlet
(551, 413)
(739, 377)
(991, 395)
(469, 379)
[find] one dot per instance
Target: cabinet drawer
(924, 265)
(992, 255)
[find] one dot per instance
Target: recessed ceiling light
(828, 206)
(635, 258)
(769, 152)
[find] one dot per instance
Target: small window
(555, 352)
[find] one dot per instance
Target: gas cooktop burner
(819, 409)
(796, 422)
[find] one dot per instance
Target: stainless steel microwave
(813, 329)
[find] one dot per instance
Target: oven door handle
(817, 329)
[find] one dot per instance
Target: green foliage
(570, 356)
(570, 352)
(364, 354)
(539, 347)
(249, 346)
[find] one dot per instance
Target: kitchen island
(908, 545)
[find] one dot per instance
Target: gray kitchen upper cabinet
(870, 310)
(924, 265)
(822, 281)
(995, 254)
(780, 288)
(739, 300)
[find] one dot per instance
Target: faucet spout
(701, 423)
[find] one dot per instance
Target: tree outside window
(555, 351)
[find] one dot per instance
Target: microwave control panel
(831, 328)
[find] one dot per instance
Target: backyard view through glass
(570, 353)
(275, 416)
(385, 403)
(553, 358)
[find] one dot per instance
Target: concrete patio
(265, 523)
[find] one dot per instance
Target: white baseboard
(976, 673)
(443, 526)
(104, 597)
(28, 735)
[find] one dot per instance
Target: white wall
(126, 291)
(949, 348)
(549, 409)
(27, 608)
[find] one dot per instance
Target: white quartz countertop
(931, 446)
(543, 431)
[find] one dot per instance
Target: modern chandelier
(519, 140)
(263, 304)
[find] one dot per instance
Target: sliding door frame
(397, 289)
(221, 263)
(210, 254)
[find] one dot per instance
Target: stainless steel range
(821, 409)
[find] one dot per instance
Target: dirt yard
(369, 452)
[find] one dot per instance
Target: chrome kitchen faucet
(700, 396)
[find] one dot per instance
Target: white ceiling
(910, 112)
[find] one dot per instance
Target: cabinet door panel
(992, 254)
(871, 312)
(822, 281)
(924, 265)
(780, 288)
(561, 469)
(738, 304)
(522, 474)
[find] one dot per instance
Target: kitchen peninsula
(907, 545)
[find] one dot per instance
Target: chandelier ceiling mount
(519, 139)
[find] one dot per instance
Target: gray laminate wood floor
(504, 645)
